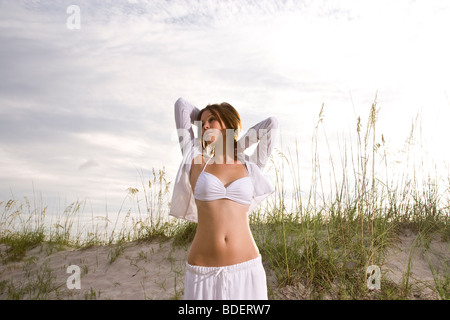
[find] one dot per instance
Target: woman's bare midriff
(223, 235)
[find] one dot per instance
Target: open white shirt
(264, 133)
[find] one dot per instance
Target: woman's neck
(224, 153)
(224, 159)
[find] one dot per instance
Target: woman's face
(211, 126)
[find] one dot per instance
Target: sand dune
(155, 270)
(136, 270)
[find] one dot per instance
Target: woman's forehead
(206, 114)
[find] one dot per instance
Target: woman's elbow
(273, 122)
(179, 103)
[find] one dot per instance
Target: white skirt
(242, 281)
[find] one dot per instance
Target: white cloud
(88, 164)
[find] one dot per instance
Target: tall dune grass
(340, 228)
(323, 238)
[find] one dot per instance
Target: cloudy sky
(85, 111)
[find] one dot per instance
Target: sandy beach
(155, 270)
(403, 254)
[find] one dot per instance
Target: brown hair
(228, 115)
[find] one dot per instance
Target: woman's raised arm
(185, 115)
(264, 133)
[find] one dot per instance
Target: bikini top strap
(206, 164)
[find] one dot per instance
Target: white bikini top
(208, 187)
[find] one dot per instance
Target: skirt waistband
(231, 268)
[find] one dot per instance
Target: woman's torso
(223, 235)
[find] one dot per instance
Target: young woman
(217, 186)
